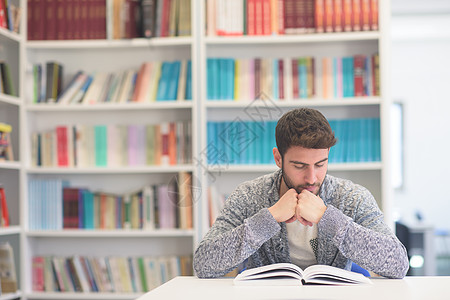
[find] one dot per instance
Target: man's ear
(277, 157)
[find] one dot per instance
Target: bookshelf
(12, 170)
(92, 56)
(225, 177)
(112, 55)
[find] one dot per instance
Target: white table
(420, 288)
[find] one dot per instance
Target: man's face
(304, 168)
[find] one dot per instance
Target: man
(300, 214)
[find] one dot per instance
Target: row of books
(110, 274)
(293, 78)
(7, 85)
(6, 148)
(249, 142)
(168, 143)
(10, 15)
(53, 205)
(107, 19)
(154, 81)
(271, 17)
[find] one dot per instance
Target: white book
(181, 91)
(290, 274)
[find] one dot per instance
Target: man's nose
(310, 176)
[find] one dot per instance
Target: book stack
(154, 81)
(54, 206)
(168, 143)
(248, 142)
(272, 17)
(111, 274)
(293, 78)
(107, 19)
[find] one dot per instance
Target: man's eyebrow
(296, 162)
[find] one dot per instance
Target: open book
(290, 274)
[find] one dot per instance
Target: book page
(323, 274)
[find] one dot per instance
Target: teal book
(188, 95)
(215, 74)
(209, 78)
(376, 139)
(88, 209)
(223, 81)
(230, 73)
(101, 155)
(174, 75)
(303, 78)
(163, 82)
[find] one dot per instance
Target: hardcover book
(290, 274)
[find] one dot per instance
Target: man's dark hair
(305, 127)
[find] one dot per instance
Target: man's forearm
(222, 251)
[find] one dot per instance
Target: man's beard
(299, 188)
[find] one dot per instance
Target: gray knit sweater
(351, 229)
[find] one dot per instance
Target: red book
(76, 26)
(251, 30)
(328, 16)
(309, 14)
(338, 17)
(38, 273)
(347, 15)
(50, 20)
(281, 79)
(289, 16)
(31, 26)
(84, 19)
(365, 15)
(61, 20)
(71, 198)
(70, 25)
(356, 15)
(280, 16)
(295, 86)
(319, 17)
(61, 146)
(165, 18)
(373, 15)
(358, 65)
(266, 20)
(4, 209)
(3, 16)
(258, 17)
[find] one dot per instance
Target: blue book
(231, 69)
(223, 81)
(174, 75)
(209, 78)
(376, 139)
(215, 74)
(188, 93)
(88, 209)
(163, 81)
(303, 78)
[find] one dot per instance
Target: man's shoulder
(335, 187)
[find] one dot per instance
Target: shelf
(360, 101)
(9, 99)
(98, 44)
(115, 170)
(124, 233)
(49, 107)
(11, 165)
(10, 296)
(106, 296)
(5, 33)
(11, 230)
(293, 39)
(272, 168)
